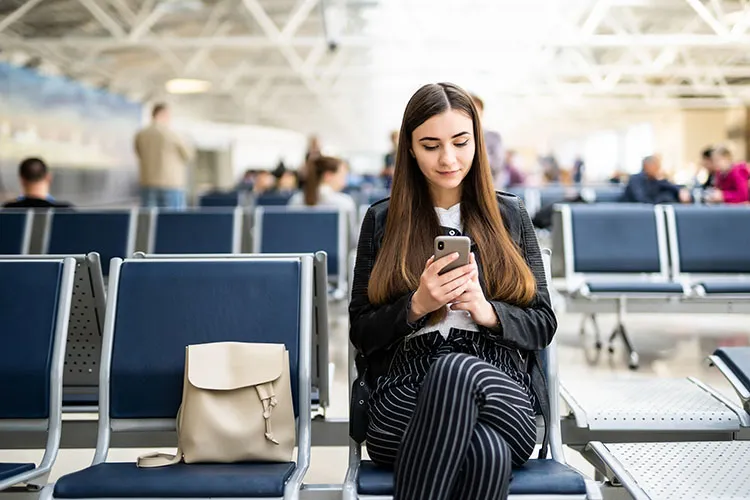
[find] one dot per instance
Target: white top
(327, 197)
(451, 218)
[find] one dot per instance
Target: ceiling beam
(105, 19)
(709, 18)
(510, 43)
(18, 13)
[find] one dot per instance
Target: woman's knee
(457, 366)
(488, 455)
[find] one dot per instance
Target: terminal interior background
(249, 82)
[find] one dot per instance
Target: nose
(448, 157)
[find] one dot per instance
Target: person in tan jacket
(162, 158)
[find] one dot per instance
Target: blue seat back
(220, 199)
(555, 194)
(608, 194)
(163, 306)
(29, 295)
(711, 239)
(110, 234)
(201, 232)
(616, 238)
(273, 199)
(12, 232)
(299, 230)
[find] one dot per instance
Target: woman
(730, 180)
(326, 177)
(451, 360)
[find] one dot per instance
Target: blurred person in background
(287, 182)
(326, 178)
(390, 161)
(494, 146)
(162, 157)
(264, 182)
(579, 167)
(515, 176)
(707, 164)
(313, 152)
(35, 179)
(650, 186)
(730, 179)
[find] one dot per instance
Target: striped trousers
(456, 431)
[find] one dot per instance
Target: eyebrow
(436, 139)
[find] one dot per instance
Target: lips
(450, 172)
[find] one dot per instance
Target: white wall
(250, 146)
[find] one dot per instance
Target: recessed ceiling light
(187, 86)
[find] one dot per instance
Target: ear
(411, 152)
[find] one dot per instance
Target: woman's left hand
(473, 301)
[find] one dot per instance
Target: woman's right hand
(436, 290)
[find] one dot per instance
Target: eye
(430, 148)
(462, 144)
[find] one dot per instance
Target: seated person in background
(649, 186)
(729, 179)
(35, 180)
(326, 177)
(706, 164)
(452, 360)
(264, 182)
(287, 182)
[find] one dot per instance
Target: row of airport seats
(155, 307)
(81, 366)
(620, 258)
(278, 198)
(158, 304)
(119, 233)
(658, 437)
(537, 197)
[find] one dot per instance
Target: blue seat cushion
(537, 477)
(738, 360)
(728, 287)
(126, 480)
(9, 469)
(633, 287)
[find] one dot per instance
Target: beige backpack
(236, 406)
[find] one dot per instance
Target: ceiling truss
(265, 55)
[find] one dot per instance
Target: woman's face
(444, 149)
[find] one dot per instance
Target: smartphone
(445, 245)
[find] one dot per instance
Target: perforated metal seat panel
(649, 404)
(84, 335)
(686, 471)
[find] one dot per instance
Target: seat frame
(320, 333)
(593, 491)
(339, 278)
(692, 280)
(91, 291)
(108, 425)
(580, 299)
(37, 477)
(153, 225)
(742, 391)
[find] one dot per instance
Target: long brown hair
(316, 168)
(412, 223)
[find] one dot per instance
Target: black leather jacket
(377, 330)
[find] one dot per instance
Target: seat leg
(620, 331)
(592, 354)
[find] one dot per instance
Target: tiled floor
(669, 345)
